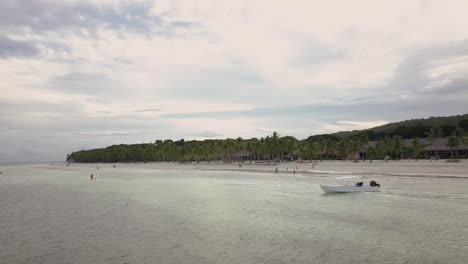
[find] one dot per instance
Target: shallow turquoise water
(55, 214)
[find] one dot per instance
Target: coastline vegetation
(397, 141)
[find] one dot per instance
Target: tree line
(274, 148)
(415, 128)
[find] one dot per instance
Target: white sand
(407, 168)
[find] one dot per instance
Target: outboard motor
(373, 183)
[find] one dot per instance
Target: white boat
(346, 189)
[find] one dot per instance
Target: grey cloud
(107, 134)
(391, 110)
(11, 48)
(181, 24)
(357, 99)
(247, 97)
(25, 137)
(65, 124)
(315, 53)
(265, 131)
(455, 87)
(91, 84)
(65, 118)
(148, 110)
(257, 112)
(57, 15)
(43, 16)
(122, 60)
(69, 107)
(104, 123)
(206, 134)
(412, 74)
(14, 48)
(219, 84)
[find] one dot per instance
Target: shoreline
(317, 173)
(394, 168)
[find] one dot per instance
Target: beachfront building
(437, 149)
(440, 149)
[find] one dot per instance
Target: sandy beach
(400, 168)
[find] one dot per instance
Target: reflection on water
(55, 214)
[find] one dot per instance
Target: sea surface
(53, 213)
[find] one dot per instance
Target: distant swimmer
(294, 171)
(114, 166)
(276, 170)
(92, 177)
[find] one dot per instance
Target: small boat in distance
(358, 186)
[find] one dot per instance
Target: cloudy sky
(85, 74)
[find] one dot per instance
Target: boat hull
(347, 189)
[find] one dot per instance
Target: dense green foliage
(269, 148)
(353, 145)
(414, 128)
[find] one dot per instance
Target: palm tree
(238, 147)
(342, 147)
(275, 144)
(256, 148)
(322, 146)
(288, 145)
(386, 146)
(397, 145)
(371, 152)
(453, 142)
(308, 150)
(264, 148)
(364, 139)
(436, 132)
(331, 148)
(416, 147)
(353, 147)
(460, 134)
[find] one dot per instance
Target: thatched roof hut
(439, 145)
